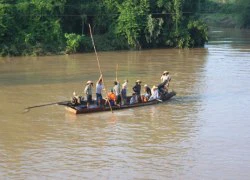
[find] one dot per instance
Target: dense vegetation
(38, 27)
(228, 13)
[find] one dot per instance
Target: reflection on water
(202, 132)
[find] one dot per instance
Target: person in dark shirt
(137, 90)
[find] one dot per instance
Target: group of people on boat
(118, 97)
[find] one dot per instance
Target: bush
(73, 42)
(198, 31)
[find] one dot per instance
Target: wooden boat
(82, 108)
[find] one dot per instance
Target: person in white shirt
(155, 93)
(88, 92)
(117, 92)
(99, 88)
(165, 76)
(124, 92)
(125, 84)
(165, 79)
(133, 99)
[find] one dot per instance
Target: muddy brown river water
(202, 133)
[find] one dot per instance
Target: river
(202, 133)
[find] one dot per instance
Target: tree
(132, 20)
(244, 13)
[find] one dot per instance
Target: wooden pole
(116, 72)
(98, 63)
(48, 104)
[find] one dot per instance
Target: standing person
(88, 92)
(99, 88)
(124, 92)
(137, 90)
(165, 79)
(147, 93)
(117, 92)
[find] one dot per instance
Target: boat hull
(82, 109)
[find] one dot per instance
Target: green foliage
(7, 30)
(38, 27)
(73, 42)
(229, 13)
(106, 42)
(131, 21)
(198, 31)
(244, 13)
(153, 29)
(31, 27)
(177, 13)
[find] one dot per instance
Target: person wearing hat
(165, 79)
(99, 88)
(88, 92)
(137, 90)
(147, 93)
(165, 76)
(155, 93)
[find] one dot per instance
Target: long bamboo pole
(48, 104)
(98, 62)
(116, 72)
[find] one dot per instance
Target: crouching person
(147, 93)
(155, 93)
(111, 98)
(76, 100)
(133, 99)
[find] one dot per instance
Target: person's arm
(86, 90)
(100, 78)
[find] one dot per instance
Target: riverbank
(221, 20)
(227, 13)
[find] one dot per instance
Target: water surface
(202, 133)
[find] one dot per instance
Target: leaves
(50, 26)
(131, 20)
(73, 42)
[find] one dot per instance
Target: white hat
(138, 81)
(89, 82)
(165, 72)
(154, 87)
(145, 85)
